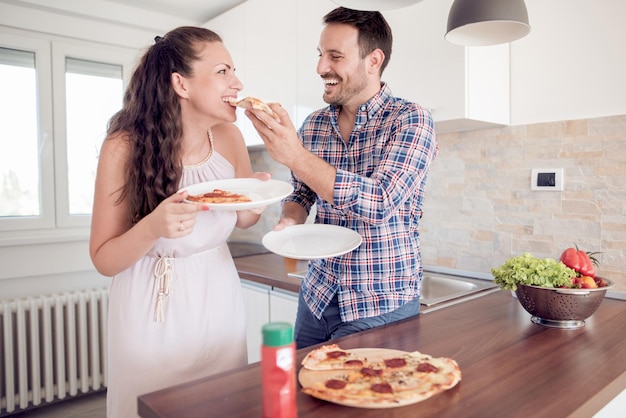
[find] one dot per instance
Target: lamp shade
(487, 22)
(375, 4)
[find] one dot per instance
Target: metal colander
(558, 307)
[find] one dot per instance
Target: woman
(175, 307)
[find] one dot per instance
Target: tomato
(577, 282)
(580, 261)
(600, 282)
(588, 282)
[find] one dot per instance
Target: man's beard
(355, 86)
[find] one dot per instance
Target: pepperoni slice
(381, 388)
(427, 368)
(368, 371)
(353, 363)
(336, 354)
(335, 384)
(395, 362)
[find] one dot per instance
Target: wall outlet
(546, 179)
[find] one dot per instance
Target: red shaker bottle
(278, 371)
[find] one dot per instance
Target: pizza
(219, 196)
(256, 104)
(387, 378)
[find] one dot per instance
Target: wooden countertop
(511, 367)
(271, 269)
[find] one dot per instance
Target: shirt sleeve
(409, 148)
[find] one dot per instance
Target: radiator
(53, 347)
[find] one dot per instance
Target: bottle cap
(276, 334)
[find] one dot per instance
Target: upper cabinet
(261, 37)
(567, 68)
(464, 88)
(276, 58)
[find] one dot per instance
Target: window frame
(55, 222)
(61, 51)
(45, 143)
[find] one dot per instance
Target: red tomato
(579, 261)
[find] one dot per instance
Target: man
(363, 160)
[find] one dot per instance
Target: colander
(560, 307)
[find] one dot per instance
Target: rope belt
(163, 273)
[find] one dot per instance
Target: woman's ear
(179, 83)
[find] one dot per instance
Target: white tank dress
(177, 314)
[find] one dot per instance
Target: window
(26, 169)
(19, 173)
(48, 158)
(93, 92)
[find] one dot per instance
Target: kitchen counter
(511, 367)
(271, 270)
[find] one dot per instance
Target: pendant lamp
(487, 22)
(375, 4)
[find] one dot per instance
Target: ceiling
(182, 11)
(198, 11)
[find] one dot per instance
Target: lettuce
(529, 270)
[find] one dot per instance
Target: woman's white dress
(196, 327)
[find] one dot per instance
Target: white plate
(261, 192)
(311, 241)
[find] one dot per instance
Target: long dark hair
(374, 31)
(151, 115)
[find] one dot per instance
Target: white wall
(572, 65)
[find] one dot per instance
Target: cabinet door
(256, 299)
(264, 54)
(283, 306)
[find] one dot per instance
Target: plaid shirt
(379, 189)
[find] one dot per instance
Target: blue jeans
(309, 330)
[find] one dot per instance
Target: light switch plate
(546, 179)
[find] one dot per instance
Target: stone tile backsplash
(480, 210)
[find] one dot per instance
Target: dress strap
(163, 274)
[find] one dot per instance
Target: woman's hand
(174, 218)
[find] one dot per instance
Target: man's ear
(179, 83)
(376, 59)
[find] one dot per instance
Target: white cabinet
(283, 306)
(256, 300)
(276, 59)
(465, 88)
(264, 54)
(265, 304)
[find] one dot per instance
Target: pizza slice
(441, 371)
(256, 104)
(219, 196)
(332, 357)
